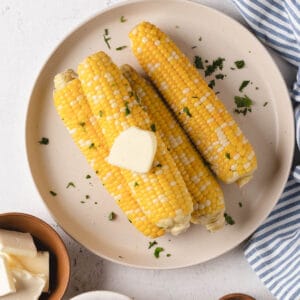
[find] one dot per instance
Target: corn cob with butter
(72, 107)
(161, 193)
(203, 116)
(206, 192)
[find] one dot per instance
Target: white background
(29, 30)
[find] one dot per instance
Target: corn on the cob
(161, 193)
(75, 112)
(204, 117)
(206, 192)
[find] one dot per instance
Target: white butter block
(37, 265)
(28, 286)
(17, 243)
(134, 149)
(7, 285)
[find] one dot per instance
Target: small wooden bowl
(46, 239)
(237, 296)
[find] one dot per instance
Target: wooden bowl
(46, 239)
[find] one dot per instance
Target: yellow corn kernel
(166, 204)
(207, 195)
(204, 117)
(72, 107)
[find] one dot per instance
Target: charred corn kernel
(72, 107)
(207, 195)
(203, 116)
(168, 206)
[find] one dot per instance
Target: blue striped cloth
(274, 249)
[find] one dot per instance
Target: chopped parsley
(121, 48)
(129, 221)
(159, 165)
(227, 155)
(88, 176)
(106, 38)
(44, 141)
(82, 124)
(136, 184)
(216, 64)
(96, 203)
(157, 251)
(198, 62)
(243, 85)
(240, 64)
(187, 111)
(232, 68)
(220, 76)
(200, 39)
(70, 184)
(127, 110)
(229, 219)
(100, 113)
(112, 216)
(122, 19)
(168, 254)
(92, 145)
(212, 83)
(87, 196)
(52, 193)
(193, 47)
(240, 204)
(257, 88)
(265, 104)
(151, 244)
(243, 104)
(153, 127)
(82, 201)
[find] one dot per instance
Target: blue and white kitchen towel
(274, 249)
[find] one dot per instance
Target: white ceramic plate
(269, 128)
(101, 295)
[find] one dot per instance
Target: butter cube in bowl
(34, 262)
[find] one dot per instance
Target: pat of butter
(7, 285)
(28, 286)
(17, 243)
(134, 149)
(38, 265)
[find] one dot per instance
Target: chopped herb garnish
(106, 38)
(95, 202)
(157, 251)
(195, 97)
(88, 176)
(217, 93)
(159, 165)
(121, 48)
(129, 221)
(52, 193)
(87, 196)
(151, 244)
(265, 104)
(257, 88)
(168, 254)
(70, 184)
(240, 204)
(243, 101)
(136, 184)
(220, 76)
(218, 63)
(240, 64)
(200, 39)
(82, 201)
(44, 141)
(198, 62)
(82, 124)
(127, 110)
(92, 145)
(232, 68)
(153, 127)
(112, 216)
(229, 219)
(187, 111)
(243, 85)
(122, 19)
(212, 83)
(100, 113)
(176, 26)
(193, 47)
(227, 154)
(120, 256)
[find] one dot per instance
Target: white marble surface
(29, 30)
